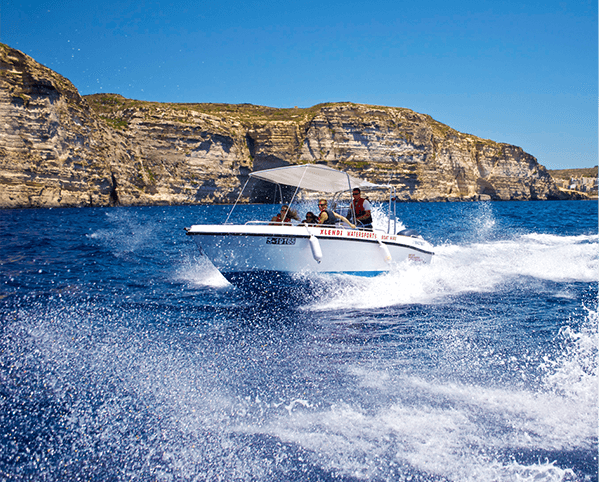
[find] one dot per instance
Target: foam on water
(422, 374)
(454, 431)
(574, 373)
(472, 268)
(126, 389)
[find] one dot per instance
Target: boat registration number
(280, 240)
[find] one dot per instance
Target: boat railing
(296, 224)
(257, 222)
(274, 223)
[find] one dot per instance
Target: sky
(520, 72)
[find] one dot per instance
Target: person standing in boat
(362, 208)
(329, 217)
(285, 216)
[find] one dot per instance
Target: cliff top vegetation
(107, 104)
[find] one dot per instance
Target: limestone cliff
(59, 149)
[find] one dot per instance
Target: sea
(126, 356)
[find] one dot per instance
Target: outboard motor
(409, 232)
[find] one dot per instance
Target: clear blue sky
(521, 72)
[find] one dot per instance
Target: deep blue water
(125, 356)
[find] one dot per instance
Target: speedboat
(284, 247)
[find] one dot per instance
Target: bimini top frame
(314, 177)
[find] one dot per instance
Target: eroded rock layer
(60, 149)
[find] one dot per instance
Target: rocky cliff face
(59, 149)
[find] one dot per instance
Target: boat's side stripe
(339, 238)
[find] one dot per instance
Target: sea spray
(126, 360)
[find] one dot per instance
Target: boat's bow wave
(200, 272)
(465, 269)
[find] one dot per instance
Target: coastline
(106, 150)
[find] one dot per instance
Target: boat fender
(386, 253)
(315, 247)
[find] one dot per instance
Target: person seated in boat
(362, 209)
(310, 218)
(329, 217)
(285, 216)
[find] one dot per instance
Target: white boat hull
(289, 249)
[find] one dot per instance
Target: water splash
(457, 371)
(127, 233)
(471, 268)
(199, 271)
(380, 218)
(115, 389)
(414, 425)
(574, 373)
